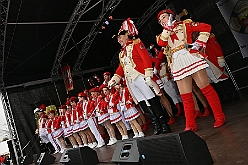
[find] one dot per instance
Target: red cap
(43, 107)
(106, 73)
(103, 86)
(67, 103)
(95, 89)
(73, 99)
(82, 94)
(169, 11)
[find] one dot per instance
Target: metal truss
(12, 127)
(4, 10)
(149, 13)
(109, 8)
(75, 17)
(140, 23)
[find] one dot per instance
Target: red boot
(215, 105)
(189, 110)
(219, 122)
(198, 114)
(171, 121)
(207, 111)
(179, 109)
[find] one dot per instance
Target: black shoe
(166, 129)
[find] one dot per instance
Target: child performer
(65, 118)
(75, 122)
(115, 115)
(56, 129)
(104, 117)
(130, 112)
(89, 140)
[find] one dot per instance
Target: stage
(228, 144)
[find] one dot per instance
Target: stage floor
(228, 144)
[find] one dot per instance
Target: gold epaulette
(187, 21)
(136, 41)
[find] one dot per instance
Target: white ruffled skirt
(185, 64)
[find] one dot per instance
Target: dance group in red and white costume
(137, 87)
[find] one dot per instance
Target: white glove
(221, 62)
(170, 21)
(198, 45)
(115, 79)
(148, 81)
(155, 71)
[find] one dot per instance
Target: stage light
(110, 18)
(106, 22)
(103, 27)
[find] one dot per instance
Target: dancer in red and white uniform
(188, 63)
(90, 140)
(128, 108)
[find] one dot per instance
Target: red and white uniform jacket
(126, 100)
(181, 35)
(42, 123)
(134, 60)
(75, 117)
(113, 101)
(66, 120)
(214, 51)
(88, 109)
(53, 124)
(103, 107)
(79, 113)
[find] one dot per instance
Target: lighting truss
(12, 127)
(109, 8)
(4, 10)
(75, 17)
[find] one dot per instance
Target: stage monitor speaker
(35, 158)
(184, 148)
(79, 156)
(27, 160)
(43, 159)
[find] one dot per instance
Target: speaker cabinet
(43, 159)
(184, 148)
(35, 158)
(79, 156)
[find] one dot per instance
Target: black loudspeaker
(184, 148)
(79, 156)
(11, 151)
(35, 158)
(43, 159)
(27, 160)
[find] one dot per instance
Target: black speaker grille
(161, 151)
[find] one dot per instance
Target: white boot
(112, 141)
(141, 134)
(75, 146)
(136, 135)
(99, 145)
(124, 137)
